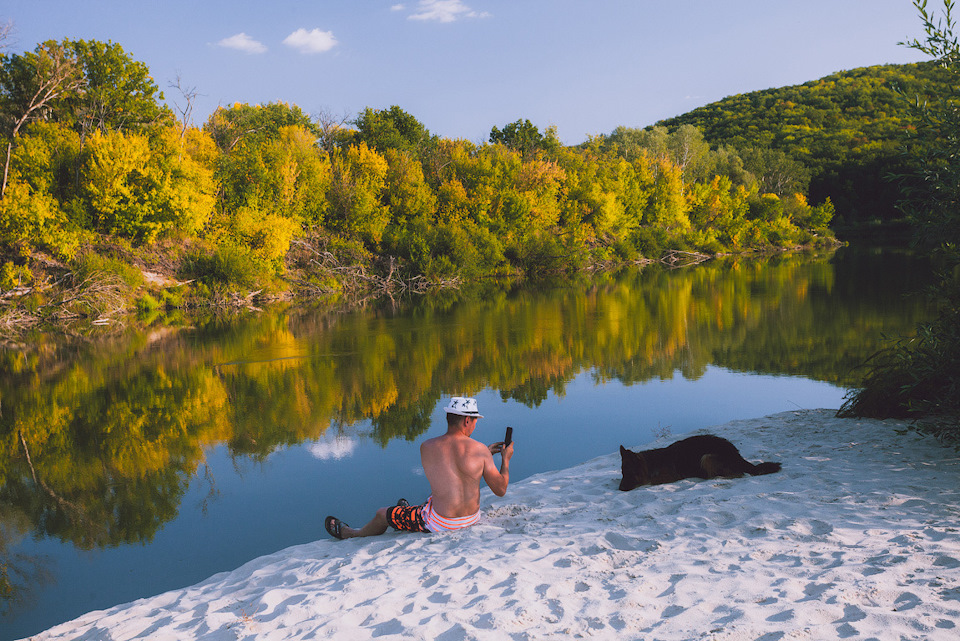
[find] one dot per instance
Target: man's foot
(403, 503)
(333, 525)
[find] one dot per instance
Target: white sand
(857, 537)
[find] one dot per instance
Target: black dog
(704, 457)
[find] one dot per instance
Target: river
(135, 462)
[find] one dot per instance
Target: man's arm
(498, 480)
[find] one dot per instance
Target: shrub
(12, 275)
(228, 265)
(650, 241)
(146, 302)
(916, 378)
(91, 265)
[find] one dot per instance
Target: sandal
(333, 525)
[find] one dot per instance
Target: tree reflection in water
(99, 440)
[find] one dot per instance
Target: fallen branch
(678, 258)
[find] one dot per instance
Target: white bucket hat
(463, 406)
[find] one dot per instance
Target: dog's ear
(631, 469)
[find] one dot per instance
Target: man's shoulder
(451, 442)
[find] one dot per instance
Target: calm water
(142, 463)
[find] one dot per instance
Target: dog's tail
(764, 468)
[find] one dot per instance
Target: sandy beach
(857, 537)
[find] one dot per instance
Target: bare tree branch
(189, 95)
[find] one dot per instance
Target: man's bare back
(454, 464)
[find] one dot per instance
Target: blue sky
(464, 66)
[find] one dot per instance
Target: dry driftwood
(355, 281)
(678, 258)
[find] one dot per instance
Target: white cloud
(243, 42)
(337, 448)
(398, 7)
(314, 41)
(445, 11)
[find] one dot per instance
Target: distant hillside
(849, 128)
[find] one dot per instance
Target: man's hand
(497, 448)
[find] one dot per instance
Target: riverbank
(856, 537)
(106, 293)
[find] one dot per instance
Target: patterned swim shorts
(408, 518)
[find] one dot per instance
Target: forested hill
(848, 128)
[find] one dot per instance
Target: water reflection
(99, 442)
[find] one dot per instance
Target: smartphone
(508, 438)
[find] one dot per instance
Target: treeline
(99, 174)
(850, 136)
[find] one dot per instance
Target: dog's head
(634, 469)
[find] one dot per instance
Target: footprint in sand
(938, 535)
(456, 564)
(906, 601)
(391, 627)
(723, 519)
(455, 633)
(474, 573)
(754, 532)
(808, 529)
(851, 614)
(440, 598)
(615, 591)
(886, 560)
(815, 591)
(729, 616)
(509, 586)
(483, 622)
(946, 562)
(629, 543)
(781, 617)
(674, 580)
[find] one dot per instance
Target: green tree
(42, 200)
(632, 143)
(668, 207)
(688, 150)
(273, 177)
(775, 171)
(33, 85)
(358, 178)
(141, 187)
(523, 136)
(392, 128)
(284, 190)
(119, 93)
(250, 124)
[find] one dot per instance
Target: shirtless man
(454, 464)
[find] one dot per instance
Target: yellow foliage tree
(359, 175)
